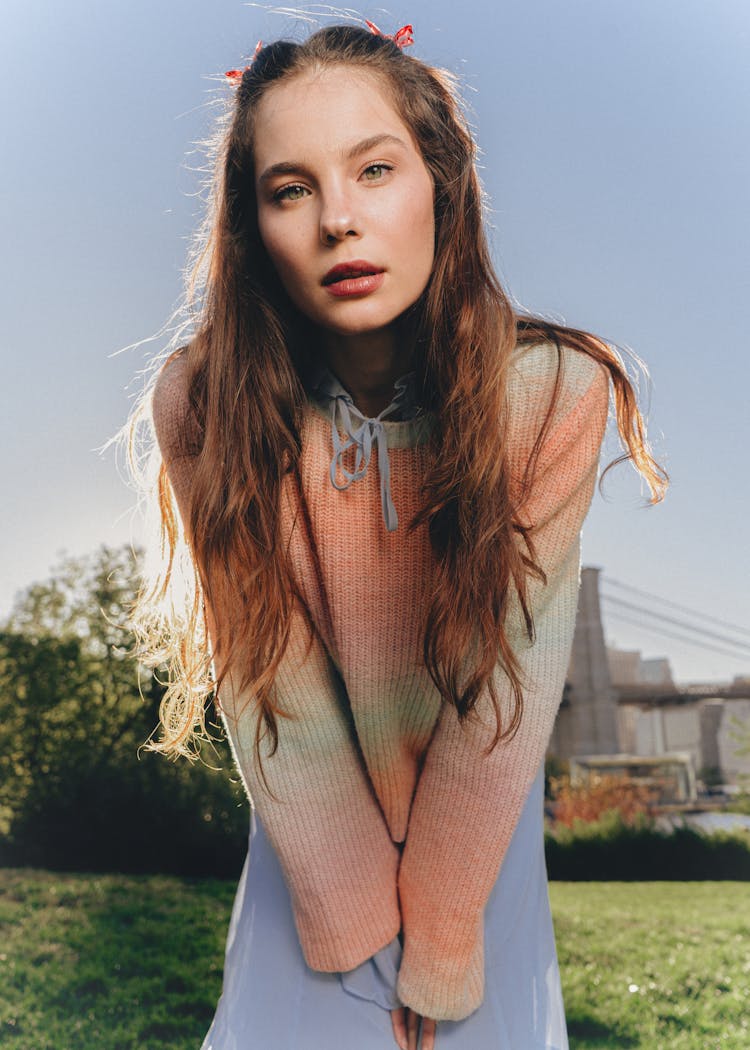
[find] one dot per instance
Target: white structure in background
(627, 667)
(671, 773)
(715, 730)
(615, 702)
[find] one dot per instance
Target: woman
(377, 472)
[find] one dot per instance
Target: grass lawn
(109, 962)
(104, 962)
(658, 965)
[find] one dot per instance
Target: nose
(337, 218)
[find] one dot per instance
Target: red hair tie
(403, 38)
(235, 75)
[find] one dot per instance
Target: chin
(374, 321)
(359, 317)
(365, 328)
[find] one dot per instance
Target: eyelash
(280, 196)
(385, 167)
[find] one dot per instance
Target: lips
(351, 270)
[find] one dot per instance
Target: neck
(368, 365)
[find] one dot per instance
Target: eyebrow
(291, 167)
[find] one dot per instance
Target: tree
(76, 791)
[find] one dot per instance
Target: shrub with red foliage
(601, 793)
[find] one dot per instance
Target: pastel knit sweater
(389, 818)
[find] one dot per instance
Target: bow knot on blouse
(363, 433)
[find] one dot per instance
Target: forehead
(323, 112)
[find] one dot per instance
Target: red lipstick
(357, 277)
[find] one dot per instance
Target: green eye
(290, 193)
(375, 172)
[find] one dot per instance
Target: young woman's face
(345, 201)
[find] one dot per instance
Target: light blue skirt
(272, 1000)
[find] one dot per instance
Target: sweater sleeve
(325, 824)
(466, 805)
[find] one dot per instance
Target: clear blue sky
(616, 155)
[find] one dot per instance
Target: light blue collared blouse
(363, 432)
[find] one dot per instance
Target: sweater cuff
(343, 929)
(443, 986)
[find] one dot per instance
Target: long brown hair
(246, 366)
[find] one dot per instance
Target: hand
(406, 1029)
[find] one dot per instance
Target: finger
(413, 1028)
(428, 1033)
(398, 1020)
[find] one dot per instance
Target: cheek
(421, 224)
(284, 243)
(271, 240)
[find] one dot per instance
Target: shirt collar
(363, 432)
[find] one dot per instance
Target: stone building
(715, 730)
(615, 702)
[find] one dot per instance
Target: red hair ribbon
(403, 38)
(235, 75)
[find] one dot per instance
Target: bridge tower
(587, 720)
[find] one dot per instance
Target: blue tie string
(363, 432)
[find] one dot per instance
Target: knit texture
(389, 815)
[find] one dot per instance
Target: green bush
(609, 849)
(740, 804)
(76, 791)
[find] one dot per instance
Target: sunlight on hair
(314, 14)
(239, 357)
